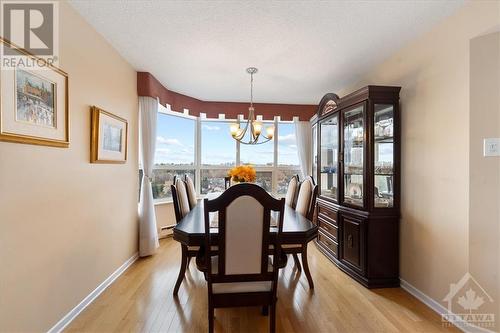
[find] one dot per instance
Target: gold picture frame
(39, 116)
(108, 137)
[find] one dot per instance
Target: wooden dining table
(297, 229)
(190, 232)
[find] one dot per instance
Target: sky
(176, 139)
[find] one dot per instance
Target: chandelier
(253, 127)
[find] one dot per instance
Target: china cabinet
(356, 161)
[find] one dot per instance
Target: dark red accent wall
(148, 85)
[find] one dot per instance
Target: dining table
(190, 231)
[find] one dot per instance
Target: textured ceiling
(303, 49)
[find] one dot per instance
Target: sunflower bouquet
(242, 173)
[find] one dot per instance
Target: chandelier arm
(255, 143)
(240, 137)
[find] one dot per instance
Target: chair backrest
(291, 192)
(191, 191)
(306, 199)
(244, 214)
(180, 198)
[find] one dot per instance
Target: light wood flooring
(141, 301)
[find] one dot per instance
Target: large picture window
(175, 152)
(204, 150)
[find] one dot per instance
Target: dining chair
(242, 273)
(191, 191)
(181, 209)
(306, 200)
(292, 191)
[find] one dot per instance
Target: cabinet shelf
(384, 139)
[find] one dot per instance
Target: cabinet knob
(349, 241)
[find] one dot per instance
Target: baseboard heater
(167, 227)
(166, 231)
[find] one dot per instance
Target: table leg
(182, 270)
(306, 266)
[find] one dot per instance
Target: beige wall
(484, 214)
(433, 71)
(66, 224)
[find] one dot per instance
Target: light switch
(492, 147)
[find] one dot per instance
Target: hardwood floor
(141, 301)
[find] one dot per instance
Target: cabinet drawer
(328, 243)
(327, 227)
(328, 213)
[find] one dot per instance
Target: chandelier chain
(251, 89)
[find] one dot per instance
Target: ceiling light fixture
(254, 127)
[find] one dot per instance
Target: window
(287, 146)
(283, 178)
(212, 180)
(218, 148)
(265, 180)
(175, 152)
(218, 155)
(288, 158)
(163, 178)
(204, 149)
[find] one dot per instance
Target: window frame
(197, 165)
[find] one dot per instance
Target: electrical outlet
(492, 147)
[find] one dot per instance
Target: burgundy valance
(148, 85)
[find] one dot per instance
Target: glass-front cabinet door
(329, 147)
(354, 145)
(315, 152)
(383, 133)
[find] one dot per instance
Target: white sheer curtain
(303, 133)
(148, 235)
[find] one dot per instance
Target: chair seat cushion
(291, 246)
(241, 287)
(193, 248)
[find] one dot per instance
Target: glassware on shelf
(315, 152)
(384, 156)
(354, 142)
(329, 146)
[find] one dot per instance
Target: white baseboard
(68, 318)
(440, 309)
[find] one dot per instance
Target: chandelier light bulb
(270, 132)
(233, 128)
(257, 128)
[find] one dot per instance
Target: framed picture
(108, 137)
(34, 104)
